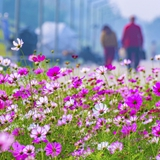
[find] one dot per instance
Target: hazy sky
(146, 10)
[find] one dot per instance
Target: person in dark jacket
(132, 41)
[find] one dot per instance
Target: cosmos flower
(53, 72)
(101, 70)
(127, 129)
(17, 151)
(6, 62)
(156, 89)
(2, 104)
(23, 71)
(100, 109)
(38, 58)
(18, 45)
(38, 71)
(156, 130)
(110, 67)
(125, 62)
(6, 141)
(134, 101)
(53, 149)
(39, 134)
(115, 146)
(29, 150)
(157, 57)
(102, 145)
(85, 70)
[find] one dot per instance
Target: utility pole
(40, 22)
(17, 13)
(71, 16)
(1, 6)
(81, 23)
(57, 5)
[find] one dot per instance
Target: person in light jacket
(109, 44)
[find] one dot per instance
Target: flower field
(48, 112)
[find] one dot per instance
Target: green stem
(23, 57)
(42, 156)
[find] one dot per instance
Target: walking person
(109, 44)
(132, 41)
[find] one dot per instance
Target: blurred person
(132, 41)
(153, 49)
(109, 43)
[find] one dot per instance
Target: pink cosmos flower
(38, 71)
(37, 58)
(156, 89)
(3, 78)
(121, 79)
(29, 150)
(39, 133)
(64, 120)
(53, 149)
(115, 146)
(141, 69)
(6, 141)
(6, 118)
(158, 157)
(157, 104)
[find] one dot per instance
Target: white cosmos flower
(100, 109)
(14, 66)
(85, 70)
(6, 62)
(154, 140)
(125, 62)
(102, 145)
(69, 103)
(101, 70)
(42, 101)
(157, 57)
(18, 45)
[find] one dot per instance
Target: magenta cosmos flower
(6, 141)
(23, 71)
(127, 129)
(17, 151)
(53, 149)
(53, 72)
(2, 104)
(134, 101)
(156, 130)
(156, 89)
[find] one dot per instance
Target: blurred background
(74, 26)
